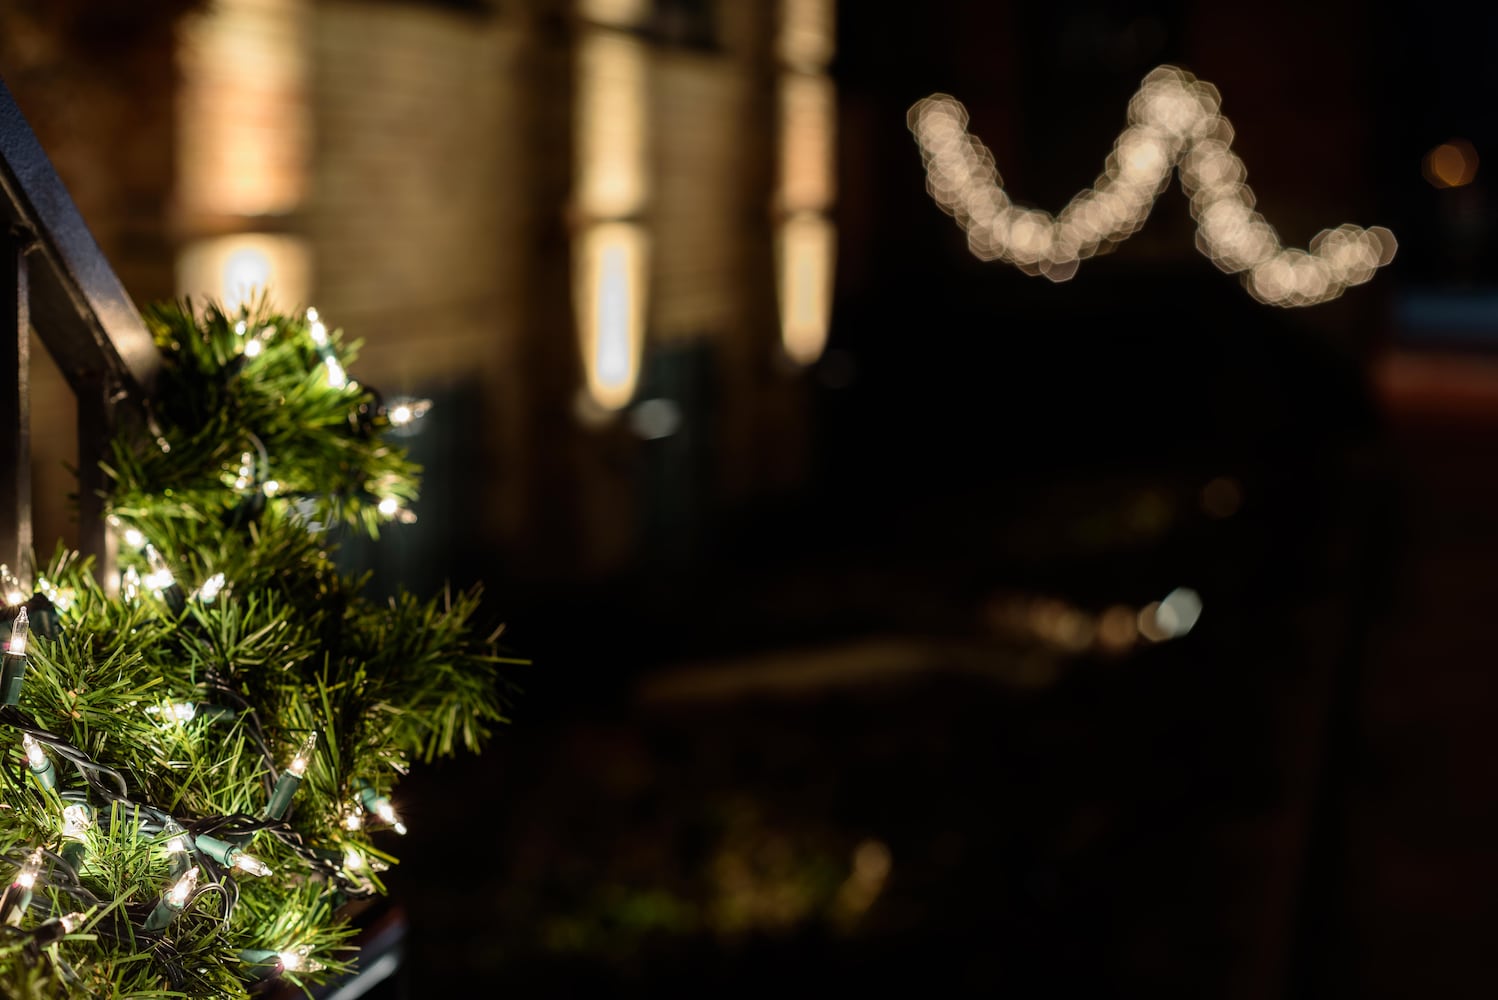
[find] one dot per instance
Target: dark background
(1292, 800)
(1295, 799)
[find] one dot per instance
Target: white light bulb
(337, 377)
(312, 315)
(160, 577)
(35, 756)
(353, 820)
(14, 597)
(183, 888)
(253, 865)
(134, 538)
(298, 961)
(401, 415)
(352, 859)
(304, 754)
(271, 487)
(253, 348)
(241, 327)
(26, 877)
(389, 506)
(386, 812)
(319, 333)
(180, 712)
(211, 588)
(76, 819)
(18, 630)
(177, 845)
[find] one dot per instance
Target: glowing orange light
(1451, 164)
(1174, 124)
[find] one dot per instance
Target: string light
(54, 930)
(405, 411)
(381, 807)
(61, 597)
(174, 712)
(18, 896)
(318, 331)
(1174, 123)
(31, 869)
(13, 663)
(39, 762)
(242, 477)
(231, 855)
(209, 591)
(173, 901)
(299, 960)
(160, 581)
(291, 778)
(76, 821)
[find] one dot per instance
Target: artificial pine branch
(171, 714)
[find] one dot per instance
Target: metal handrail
(55, 279)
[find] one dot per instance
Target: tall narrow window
(611, 249)
(243, 137)
(806, 239)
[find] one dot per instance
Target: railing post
(97, 400)
(15, 402)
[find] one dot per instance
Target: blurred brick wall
(96, 83)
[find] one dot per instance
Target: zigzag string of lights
(1174, 123)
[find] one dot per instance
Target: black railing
(54, 279)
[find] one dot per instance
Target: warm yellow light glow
(1174, 124)
(808, 137)
(612, 100)
(806, 251)
(610, 296)
(806, 240)
(805, 39)
(245, 121)
(183, 888)
(236, 269)
(30, 869)
(20, 627)
(1451, 164)
(618, 13)
(35, 755)
(304, 754)
(610, 264)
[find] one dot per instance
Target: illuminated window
(611, 251)
(237, 269)
(243, 141)
(806, 239)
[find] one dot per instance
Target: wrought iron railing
(54, 279)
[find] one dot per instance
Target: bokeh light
(1174, 122)
(1451, 164)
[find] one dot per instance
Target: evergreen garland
(158, 737)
